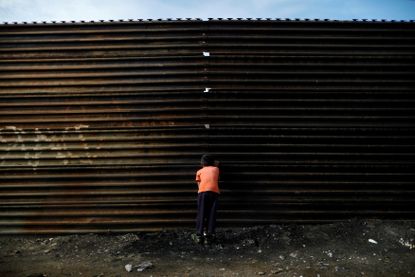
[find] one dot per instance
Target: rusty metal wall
(102, 124)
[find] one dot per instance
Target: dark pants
(207, 203)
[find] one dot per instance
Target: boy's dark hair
(207, 160)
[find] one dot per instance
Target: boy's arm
(198, 178)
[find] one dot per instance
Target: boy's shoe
(210, 239)
(206, 241)
(197, 238)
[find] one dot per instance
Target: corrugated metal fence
(102, 124)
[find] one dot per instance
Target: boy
(207, 200)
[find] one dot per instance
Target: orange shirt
(208, 178)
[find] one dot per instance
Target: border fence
(102, 124)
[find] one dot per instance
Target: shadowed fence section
(102, 125)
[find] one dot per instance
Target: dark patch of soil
(351, 248)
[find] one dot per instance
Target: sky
(66, 10)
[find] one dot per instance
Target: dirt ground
(350, 248)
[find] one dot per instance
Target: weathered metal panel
(102, 124)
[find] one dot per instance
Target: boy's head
(207, 160)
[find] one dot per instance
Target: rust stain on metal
(102, 124)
